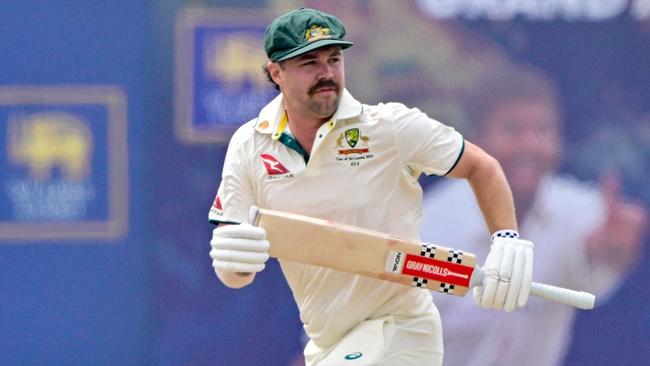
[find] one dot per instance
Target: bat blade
(370, 253)
(366, 252)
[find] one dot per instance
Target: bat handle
(578, 299)
(254, 215)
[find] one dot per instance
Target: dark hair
(268, 74)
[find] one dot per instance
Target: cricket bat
(352, 249)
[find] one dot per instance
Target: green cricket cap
(300, 31)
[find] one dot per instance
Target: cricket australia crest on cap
(317, 32)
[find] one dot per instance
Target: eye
(308, 63)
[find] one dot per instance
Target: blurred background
(114, 121)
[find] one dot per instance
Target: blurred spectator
(586, 238)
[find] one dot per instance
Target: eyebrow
(312, 55)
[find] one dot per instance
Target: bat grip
(254, 215)
(578, 299)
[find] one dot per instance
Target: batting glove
(508, 273)
(239, 248)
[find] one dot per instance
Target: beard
(324, 107)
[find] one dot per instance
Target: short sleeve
(235, 194)
(425, 144)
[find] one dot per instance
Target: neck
(296, 120)
(304, 128)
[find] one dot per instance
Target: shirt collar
(270, 117)
(348, 107)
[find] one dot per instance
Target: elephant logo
(235, 59)
(48, 140)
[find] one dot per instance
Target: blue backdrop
(145, 293)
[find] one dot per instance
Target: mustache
(325, 84)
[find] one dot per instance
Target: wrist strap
(507, 233)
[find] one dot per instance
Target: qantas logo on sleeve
(217, 203)
(274, 168)
(217, 207)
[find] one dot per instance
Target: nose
(325, 71)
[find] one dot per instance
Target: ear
(275, 72)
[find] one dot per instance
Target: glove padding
(239, 248)
(508, 274)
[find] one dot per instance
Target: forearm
(494, 197)
(508, 267)
(490, 187)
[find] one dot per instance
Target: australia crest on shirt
(353, 146)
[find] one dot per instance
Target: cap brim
(314, 45)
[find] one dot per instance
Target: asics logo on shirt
(272, 165)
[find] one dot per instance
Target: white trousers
(386, 341)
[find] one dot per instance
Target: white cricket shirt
(362, 171)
